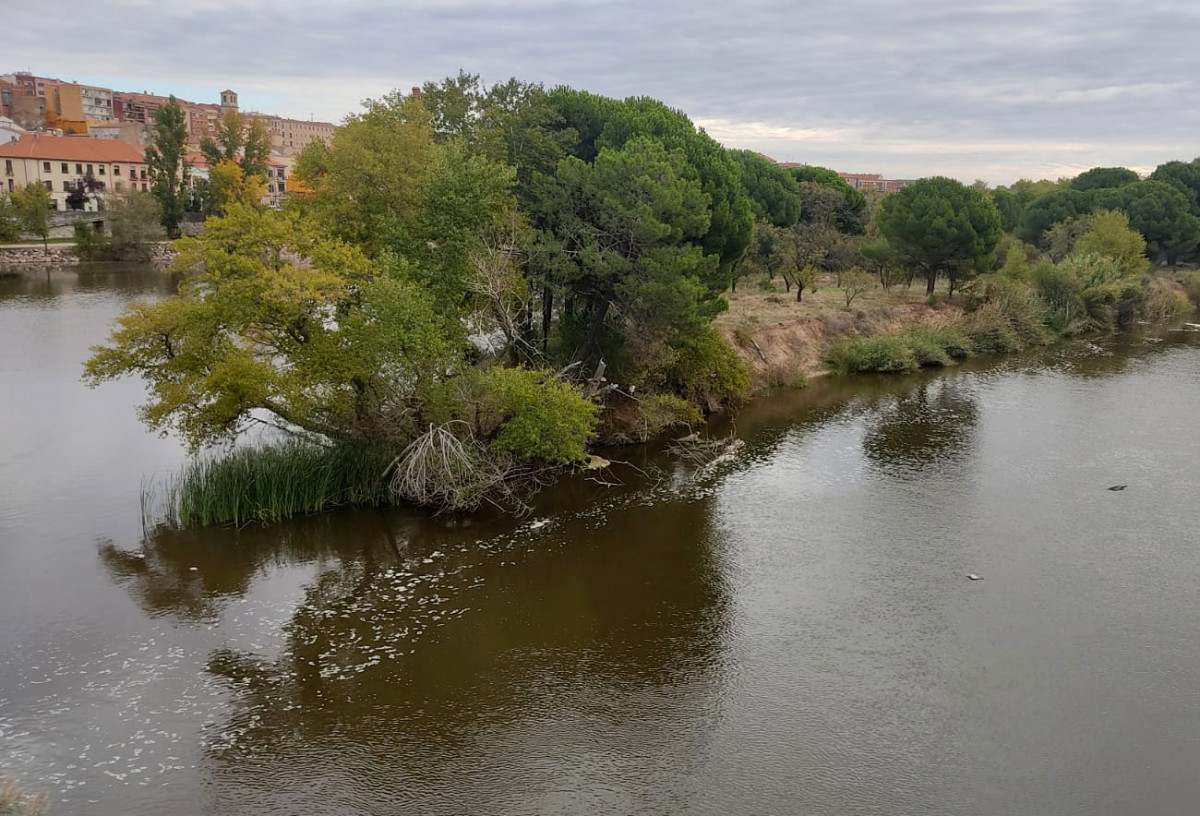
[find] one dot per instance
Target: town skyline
(996, 91)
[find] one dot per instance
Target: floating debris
(973, 577)
(1118, 487)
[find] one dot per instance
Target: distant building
(134, 133)
(60, 162)
(290, 136)
(10, 131)
(75, 106)
(874, 182)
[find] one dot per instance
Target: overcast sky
(992, 90)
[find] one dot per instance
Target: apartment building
(290, 136)
(60, 162)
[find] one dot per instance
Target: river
(793, 633)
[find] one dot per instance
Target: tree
(1051, 208)
(454, 106)
(774, 194)
(940, 226)
(228, 184)
(630, 224)
(239, 138)
(251, 331)
(10, 219)
(33, 204)
(166, 159)
(369, 187)
(856, 282)
(1160, 212)
(1185, 177)
(1103, 177)
(602, 122)
(849, 212)
(83, 191)
(1109, 234)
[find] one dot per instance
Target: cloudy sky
(992, 90)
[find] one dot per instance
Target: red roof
(68, 148)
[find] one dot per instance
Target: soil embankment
(785, 342)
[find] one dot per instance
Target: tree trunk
(547, 314)
(799, 291)
(930, 281)
(592, 344)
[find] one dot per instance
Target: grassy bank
(902, 330)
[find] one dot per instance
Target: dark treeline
(475, 283)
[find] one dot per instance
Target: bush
(537, 416)
(991, 331)
(706, 371)
(658, 412)
(1167, 302)
(882, 353)
(1063, 295)
(1191, 285)
(917, 347)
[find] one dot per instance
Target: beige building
(61, 162)
(83, 103)
(290, 136)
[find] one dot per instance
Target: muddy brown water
(793, 633)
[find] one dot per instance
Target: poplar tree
(168, 166)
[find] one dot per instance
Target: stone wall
(161, 254)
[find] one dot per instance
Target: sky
(969, 89)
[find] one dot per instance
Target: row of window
(66, 186)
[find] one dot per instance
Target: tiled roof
(67, 148)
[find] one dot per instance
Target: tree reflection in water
(426, 659)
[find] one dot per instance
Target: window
(89, 169)
(49, 186)
(79, 169)
(102, 169)
(10, 185)
(117, 186)
(45, 167)
(143, 186)
(116, 169)
(66, 186)
(8, 171)
(143, 175)
(64, 168)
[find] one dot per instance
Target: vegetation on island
(476, 284)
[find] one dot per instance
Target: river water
(792, 633)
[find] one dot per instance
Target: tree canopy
(166, 160)
(940, 226)
(1103, 177)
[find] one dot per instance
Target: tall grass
(271, 483)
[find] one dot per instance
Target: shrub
(537, 416)
(882, 353)
(1063, 295)
(1167, 302)
(706, 371)
(658, 412)
(16, 803)
(991, 331)
(1191, 285)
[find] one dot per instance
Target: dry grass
(16, 803)
(785, 342)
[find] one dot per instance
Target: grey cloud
(997, 89)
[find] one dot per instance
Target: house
(61, 162)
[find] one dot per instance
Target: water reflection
(922, 428)
(423, 665)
